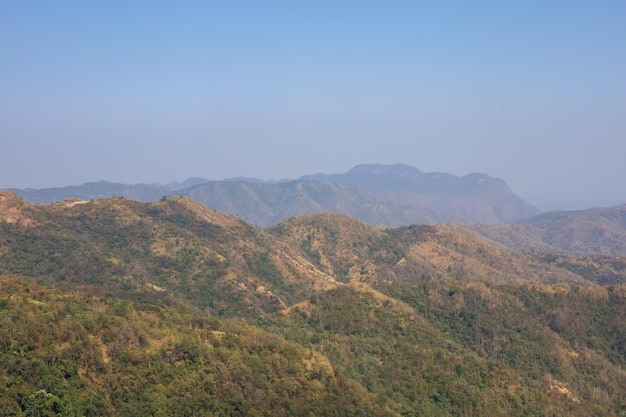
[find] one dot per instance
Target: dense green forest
(114, 307)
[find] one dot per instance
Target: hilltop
(117, 307)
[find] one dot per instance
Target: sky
(532, 92)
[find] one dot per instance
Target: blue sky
(152, 91)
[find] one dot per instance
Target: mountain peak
(484, 180)
(399, 170)
(12, 208)
(7, 196)
(10, 201)
(189, 182)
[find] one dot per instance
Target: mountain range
(119, 307)
(386, 195)
(598, 231)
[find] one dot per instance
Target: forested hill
(598, 231)
(115, 307)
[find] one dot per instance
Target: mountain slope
(267, 204)
(389, 195)
(353, 251)
(469, 349)
(600, 231)
(474, 197)
(72, 354)
(116, 307)
(175, 247)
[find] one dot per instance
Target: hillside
(175, 247)
(474, 197)
(599, 231)
(384, 195)
(266, 204)
(75, 354)
(116, 307)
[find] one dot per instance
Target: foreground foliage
(114, 307)
(77, 354)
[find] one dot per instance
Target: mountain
(117, 307)
(266, 204)
(210, 258)
(95, 190)
(474, 197)
(389, 195)
(353, 251)
(189, 182)
(598, 231)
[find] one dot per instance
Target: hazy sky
(533, 92)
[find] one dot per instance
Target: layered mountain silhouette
(98, 189)
(386, 195)
(474, 197)
(267, 204)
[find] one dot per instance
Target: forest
(118, 308)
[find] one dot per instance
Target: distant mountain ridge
(383, 195)
(94, 190)
(268, 204)
(474, 197)
(598, 231)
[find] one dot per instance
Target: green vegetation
(598, 231)
(115, 307)
(80, 355)
(461, 348)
